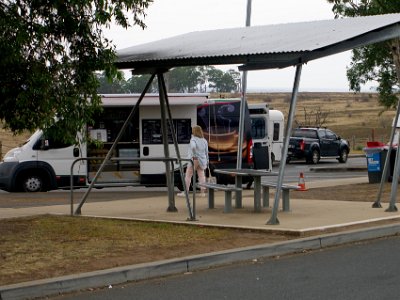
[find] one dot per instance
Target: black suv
(314, 143)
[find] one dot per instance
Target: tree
(178, 80)
(183, 79)
(378, 62)
(137, 83)
(231, 81)
(50, 51)
(110, 86)
(223, 81)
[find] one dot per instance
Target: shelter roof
(261, 47)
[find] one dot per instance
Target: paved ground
(304, 216)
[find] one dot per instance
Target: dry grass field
(356, 117)
(9, 140)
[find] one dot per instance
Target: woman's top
(198, 149)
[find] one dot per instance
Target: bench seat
(285, 194)
(228, 194)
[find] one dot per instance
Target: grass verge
(47, 246)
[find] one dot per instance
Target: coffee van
(44, 163)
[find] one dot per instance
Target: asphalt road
(325, 169)
(358, 271)
(292, 171)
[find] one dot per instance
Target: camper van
(42, 163)
(267, 130)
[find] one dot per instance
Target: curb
(338, 169)
(104, 278)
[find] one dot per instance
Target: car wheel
(314, 159)
(344, 154)
(32, 183)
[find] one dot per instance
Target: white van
(43, 163)
(267, 130)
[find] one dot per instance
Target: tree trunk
(396, 56)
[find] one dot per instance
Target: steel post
(274, 220)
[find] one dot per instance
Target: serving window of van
(152, 134)
(108, 124)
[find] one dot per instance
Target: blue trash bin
(376, 157)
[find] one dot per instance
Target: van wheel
(32, 183)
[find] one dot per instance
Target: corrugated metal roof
(262, 47)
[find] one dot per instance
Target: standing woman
(198, 153)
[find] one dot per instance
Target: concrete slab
(305, 215)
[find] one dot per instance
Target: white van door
(60, 156)
(262, 142)
(276, 129)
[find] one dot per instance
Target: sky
(168, 18)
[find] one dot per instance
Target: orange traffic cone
(302, 183)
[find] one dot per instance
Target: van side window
(109, 122)
(151, 131)
(257, 128)
(276, 132)
(48, 141)
(57, 144)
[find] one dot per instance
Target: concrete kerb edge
(104, 278)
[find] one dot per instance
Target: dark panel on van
(219, 120)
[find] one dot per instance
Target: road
(335, 169)
(359, 271)
(292, 171)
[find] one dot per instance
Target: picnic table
(256, 174)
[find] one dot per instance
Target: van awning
(261, 47)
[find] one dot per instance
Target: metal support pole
(396, 58)
(121, 132)
(192, 212)
(395, 179)
(274, 220)
(238, 180)
(164, 129)
(377, 203)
